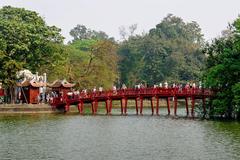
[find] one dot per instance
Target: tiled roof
(59, 83)
(27, 83)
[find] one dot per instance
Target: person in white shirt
(160, 85)
(124, 86)
(94, 89)
(166, 84)
(100, 89)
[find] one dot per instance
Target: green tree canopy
(25, 42)
(170, 51)
(81, 32)
(90, 62)
(223, 72)
(172, 27)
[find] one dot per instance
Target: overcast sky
(213, 16)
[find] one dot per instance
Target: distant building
(30, 91)
(61, 87)
(31, 88)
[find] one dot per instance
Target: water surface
(70, 137)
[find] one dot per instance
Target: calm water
(146, 137)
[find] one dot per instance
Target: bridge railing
(132, 92)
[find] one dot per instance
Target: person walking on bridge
(124, 86)
(100, 89)
(166, 84)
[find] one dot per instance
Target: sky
(213, 16)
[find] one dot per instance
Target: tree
(131, 61)
(153, 54)
(132, 29)
(173, 27)
(126, 34)
(223, 72)
(93, 58)
(25, 40)
(57, 66)
(170, 51)
(81, 32)
(104, 61)
(92, 63)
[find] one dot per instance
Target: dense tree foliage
(88, 63)
(223, 72)
(25, 42)
(99, 63)
(81, 32)
(171, 51)
(92, 58)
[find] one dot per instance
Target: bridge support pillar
(175, 106)
(136, 102)
(141, 105)
(110, 106)
(152, 106)
(121, 106)
(125, 105)
(67, 108)
(54, 108)
(204, 106)
(95, 106)
(106, 106)
(80, 107)
(93, 110)
(157, 106)
(168, 105)
(186, 101)
(193, 105)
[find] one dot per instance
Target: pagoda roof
(61, 83)
(27, 83)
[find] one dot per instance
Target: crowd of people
(84, 92)
(138, 86)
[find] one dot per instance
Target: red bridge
(138, 95)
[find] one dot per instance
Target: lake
(74, 137)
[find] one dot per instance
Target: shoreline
(7, 109)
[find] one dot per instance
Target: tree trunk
(12, 95)
(238, 115)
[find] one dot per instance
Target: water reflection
(117, 137)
